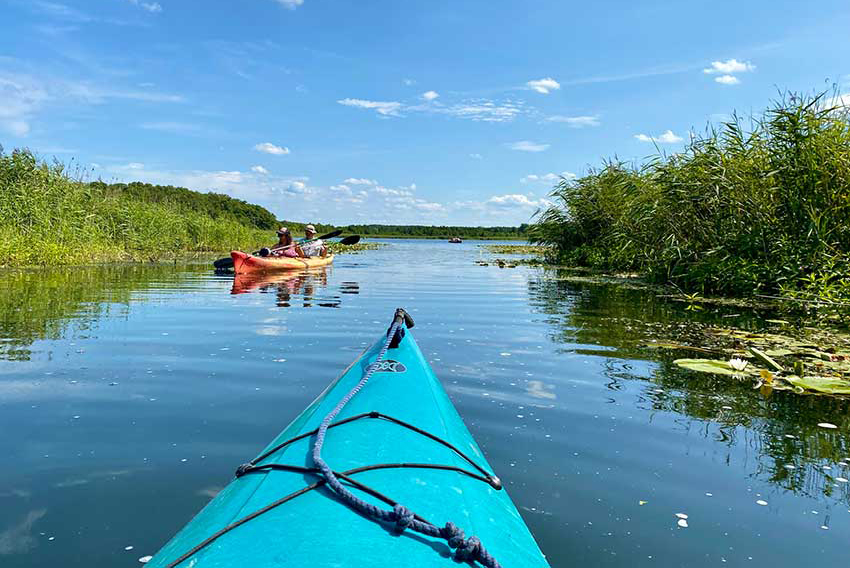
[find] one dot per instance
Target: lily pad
(707, 366)
(830, 385)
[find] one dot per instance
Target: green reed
(49, 217)
(756, 207)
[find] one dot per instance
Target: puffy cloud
(290, 4)
(528, 146)
(152, 7)
(727, 80)
(479, 110)
(269, 148)
(575, 121)
(838, 101)
(260, 170)
(729, 67)
(476, 156)
(360, 181)
(549, 178)
(383, 108)
(408, 82)
(666, 138)
(544, 86)
(515, 200)
(484, 110)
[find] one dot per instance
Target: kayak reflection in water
(286, 285)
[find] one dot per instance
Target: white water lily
(738, 364)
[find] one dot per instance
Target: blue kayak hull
(316, 529)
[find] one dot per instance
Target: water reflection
(308, 286)
(70, 302)
(780, 428)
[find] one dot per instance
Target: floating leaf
(765, 358)
(830, 385)
(779, 352)
(706, 366)
(780, 322)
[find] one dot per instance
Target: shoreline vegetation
(50, 217)
(755, 210)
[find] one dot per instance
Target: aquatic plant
(49, 217)
(748, 208)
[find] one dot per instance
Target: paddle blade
(351, 240)
(223, 263)
(331, 235)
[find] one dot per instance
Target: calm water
(128, 395)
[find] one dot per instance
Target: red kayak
(244, 263)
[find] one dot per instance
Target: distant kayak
(455, 240)
(405, 483)
(244, 263)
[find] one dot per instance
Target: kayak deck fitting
(317, 497)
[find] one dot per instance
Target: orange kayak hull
(244, 263)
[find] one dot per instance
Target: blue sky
(394, 111)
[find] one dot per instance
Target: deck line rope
(466, 549)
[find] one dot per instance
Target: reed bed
(756, 207)
(48, 217)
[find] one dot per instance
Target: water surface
(129, 394)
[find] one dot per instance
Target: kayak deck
(316, 529)
(244, 263)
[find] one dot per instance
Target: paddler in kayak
(283, 246)
(313, 248)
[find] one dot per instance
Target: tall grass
(48, 217)
(756, 209)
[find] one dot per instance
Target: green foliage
(214, 205)
(741, 211)
(46, 217)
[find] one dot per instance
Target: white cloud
(260, 170)
(383, 108)
(666, 138)
(430, 95)
(476, 156)
(727, 80)
(152, 7)
(544, 86)
(842, 100)
(549, 179)
(729, 66)
(515, 200)
(290, 4)
(483, 110)
(360, 181)
(408, 82)
(528, 146)
(23, 97)
(269, 148)
(575, 121)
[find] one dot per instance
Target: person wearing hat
(283, 246)
(313, 248)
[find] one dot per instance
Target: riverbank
(744, 211)
(51, 218)
(48, 217)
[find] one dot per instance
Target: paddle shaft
(228, 262)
